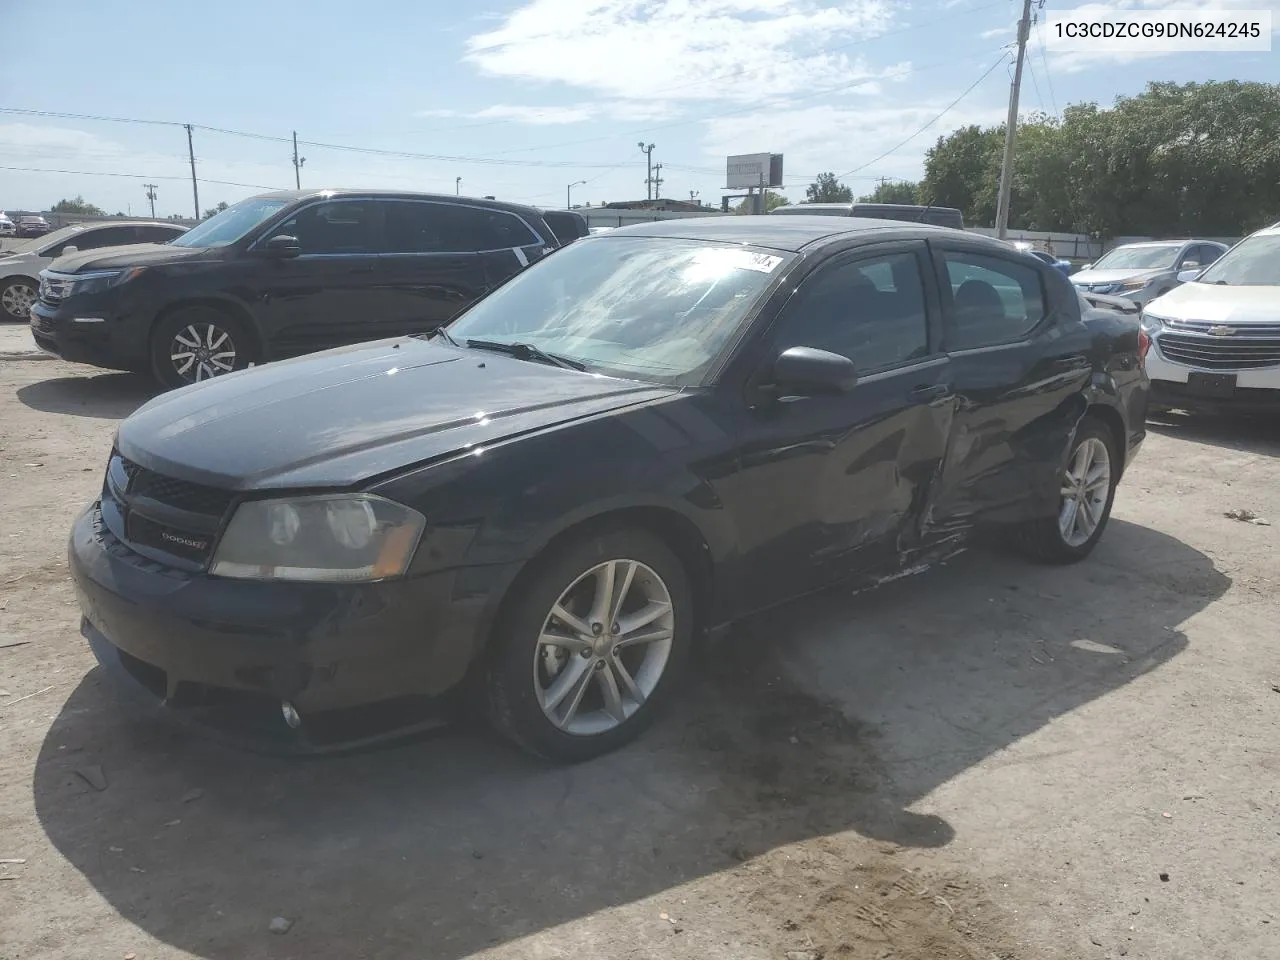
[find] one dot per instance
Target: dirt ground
(990, 759)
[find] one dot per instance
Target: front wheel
(1087, 489)
(591, 646)
(17, 299)
(198, 343)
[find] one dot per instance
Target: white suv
(1217, 336)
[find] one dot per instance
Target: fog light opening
(290, 714)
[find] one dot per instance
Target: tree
(214, 211)
(771, 202)
(827, 189)
(898, 191)
(1175, 160)
(77, 206)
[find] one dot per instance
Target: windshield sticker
(718, 262)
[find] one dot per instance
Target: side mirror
(806, 371)
(1190, 264)
(282, 247)
(1186, 276)
(69, 249)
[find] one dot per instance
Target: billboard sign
(753, 170)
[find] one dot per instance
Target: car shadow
(1248, 434)
(835, 713)
(104, 396)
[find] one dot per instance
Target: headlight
(1151, 323)
(1129, 286)
(97, 281)
(338, 538)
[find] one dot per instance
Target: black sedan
(636, 442)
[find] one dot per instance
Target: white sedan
(1216, 337)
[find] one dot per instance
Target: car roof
(342, 192)
(791, 233)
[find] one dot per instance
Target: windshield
(231, 224)
(649, 308)
(1253, 262)
(1138, 258)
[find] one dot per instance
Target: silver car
(21, 263)
(1143, 271)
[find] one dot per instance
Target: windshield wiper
(444, 334)
(527, 351)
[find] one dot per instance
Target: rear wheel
(198, 343)
(591, 646)
(1087, 489)
(17, 297)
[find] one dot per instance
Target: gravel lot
(990, 759)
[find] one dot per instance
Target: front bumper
(358, 661)
(1256, 389)
(110, 338)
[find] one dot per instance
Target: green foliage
(1178, 159)
(900, 191)
(771, 202)
(78, 206)
(827, 189)
(214, 211)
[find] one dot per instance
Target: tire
(16, 297)
(1045, 539)
(523, 671)
(223, 342)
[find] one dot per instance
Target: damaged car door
(1021, 358)
(832, 483)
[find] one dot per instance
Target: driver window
(869, 310)
(342, 227)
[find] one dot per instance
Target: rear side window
(414, 227)
(993, 300)
(157, 234)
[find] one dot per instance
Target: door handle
(930, 391)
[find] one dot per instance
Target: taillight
(1144, 345)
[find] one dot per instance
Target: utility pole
(648, 181)
(191, 153)
(151, 195)
(1011, 126)
(657, 181)
(568, 193)
(297, 163)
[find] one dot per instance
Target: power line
(945, 110)
(141, 176)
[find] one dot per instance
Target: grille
(1220, 353)
(181, 494)
(118, 548)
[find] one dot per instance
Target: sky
(521, 98)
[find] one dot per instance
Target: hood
(1219, 304)
(338, 418)
(1114, 276)
(130, 255)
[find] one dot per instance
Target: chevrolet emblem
(1221, 331)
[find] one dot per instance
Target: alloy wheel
(200, 351)
(603, 647)
(18, 299)
(1086, 484)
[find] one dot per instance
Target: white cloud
(833, 138)
(632, 50)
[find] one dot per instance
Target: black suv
(283, 274)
